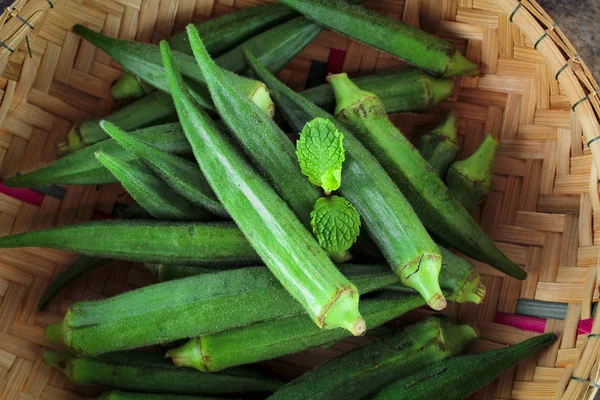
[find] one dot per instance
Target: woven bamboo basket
(534, 92)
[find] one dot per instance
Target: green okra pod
(410, 90)
(169, 272)
(182, 176)
(145, 241)
(354, 375)
(82, 167)
(363, 113)
(470, 180)
(277, 235)
(456, 378)
(118, 395)
(188, 307)
(219, 34)
(419, 48)
(149, 191)
(150, 372)
(275, 338)
(80, 267)
(278, 337)
(440, 146)
(390, 220)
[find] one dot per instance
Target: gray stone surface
(579, 20)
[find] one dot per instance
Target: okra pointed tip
(460, 65)
(437, 302)
(343, 313)
(126, 87)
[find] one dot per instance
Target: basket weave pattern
(542, 210)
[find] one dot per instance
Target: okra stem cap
(126, 87)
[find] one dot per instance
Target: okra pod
(388, 217)
(456, 378)
(82, 167)
(80, 267)
(278, 337)
(187, 307)
(145, 241)
(470, 180)
(410, 90)
(149, 191)
(358, 373)
(129, 86)
(283, 243)
(150, 372)
(118, 395)
(275, 338)
(440, 146)
(363, 113)
(220, 34)
(402, 40)
(182, 176)
(169, 272)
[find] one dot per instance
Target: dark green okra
(150, 372)
(354, 375)
(145, 241)
(283, 243)
(183, 308)
(419, 48)
(279, 337)
(183, 176)
(169, 272)
(363, 113)
(220, 35)
(149, 191)
(456, 378)
(82, 167)
(410, 90)
(470, 180)
(388, 217)
(118, 395)
(440, 146)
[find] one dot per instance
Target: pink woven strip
(26, 195)
(524, 322)
(585, 326)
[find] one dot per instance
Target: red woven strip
(585, 326)
(101, 216)
(523, 322)
(336, 61)
(26, 195)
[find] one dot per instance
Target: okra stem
(440, 146)
(129, 86)
(470, 180)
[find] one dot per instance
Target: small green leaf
(335, 223)
(320, 152)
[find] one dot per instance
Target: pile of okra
(275, 221)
